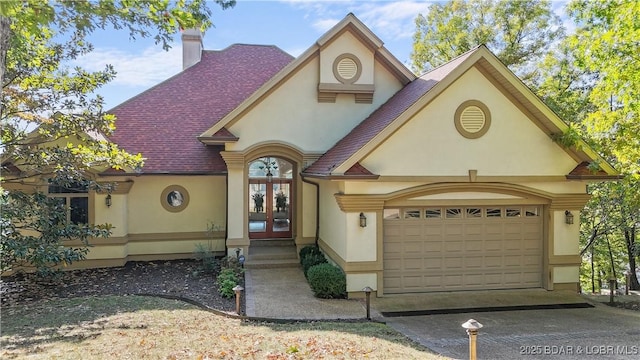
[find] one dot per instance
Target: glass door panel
(257, 209)
(281, 223)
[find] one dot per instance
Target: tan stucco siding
(309, 211)
(207, 204)
(116, 214)
(429, 144)
(144, 229)
(333, 227)
(361, 244)
(565, 236)
(291, 114)
(346, 43)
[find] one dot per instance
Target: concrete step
(272, 264)
(272, 253)
(271, 242)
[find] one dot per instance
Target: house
(448, 181)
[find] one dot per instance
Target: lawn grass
(138, 327)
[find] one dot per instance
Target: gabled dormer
(347, 61)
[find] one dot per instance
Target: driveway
(600, 332)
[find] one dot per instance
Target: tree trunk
(5, 34)
(630, 237)
(593, 274)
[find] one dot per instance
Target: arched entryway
(270, 198)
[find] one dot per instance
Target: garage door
(462, 248)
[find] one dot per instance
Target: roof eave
(595, 177)
(340, 177)
(210, 140)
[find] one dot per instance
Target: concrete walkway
(598, 332)
(283, 293)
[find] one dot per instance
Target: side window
(75, 198)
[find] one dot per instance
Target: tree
(54, 128)
(518, 31)
(606, 45)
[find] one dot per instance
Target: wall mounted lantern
(568, 217)
(107, 200)
(363, 220)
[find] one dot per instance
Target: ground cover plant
(139, 327)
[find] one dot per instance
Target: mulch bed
(179, 278)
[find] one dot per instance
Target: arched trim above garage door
(517, 191)
(373, 202)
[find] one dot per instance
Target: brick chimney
(191, 47)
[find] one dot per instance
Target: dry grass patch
(135, 327)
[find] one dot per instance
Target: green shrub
(208, 262)
(311, 260)
(327, 281)
(309, 250)
(226, 281)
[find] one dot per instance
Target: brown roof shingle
(163, 123)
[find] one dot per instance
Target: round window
(174, 198)
(472, 119)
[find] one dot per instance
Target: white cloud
(391, 19)
(323, 25)
(139, 69)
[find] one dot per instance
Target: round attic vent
(347, 68)
(472, 119)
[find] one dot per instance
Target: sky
(292, 25)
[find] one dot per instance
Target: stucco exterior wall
(309, 211)
(293, 115)
(346, 43)
(144, 229)
(565, 236)
(333, 227)
(207, 204)
(429, 143)
(360, 241)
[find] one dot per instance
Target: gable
(282, 110)
(292, 114)
(430, 145)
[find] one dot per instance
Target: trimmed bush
(327, 281)
(311, 260)
(226, 281)
(309, 250)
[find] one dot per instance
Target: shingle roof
(381, 118)
(163, 123)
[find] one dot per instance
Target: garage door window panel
(454, 213)
(433, 213)
(513, 212)
(494, 212)
(391, 214)
(532, 211)
(412, 214)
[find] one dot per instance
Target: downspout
(317, 186)
(226, 213)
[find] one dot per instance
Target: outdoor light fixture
(367, 291)
(363, 220)
(107, 200)
(269, 176)
(472, 327)
(568, 217)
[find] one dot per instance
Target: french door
(270, 208)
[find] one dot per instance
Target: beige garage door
(462, 248)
